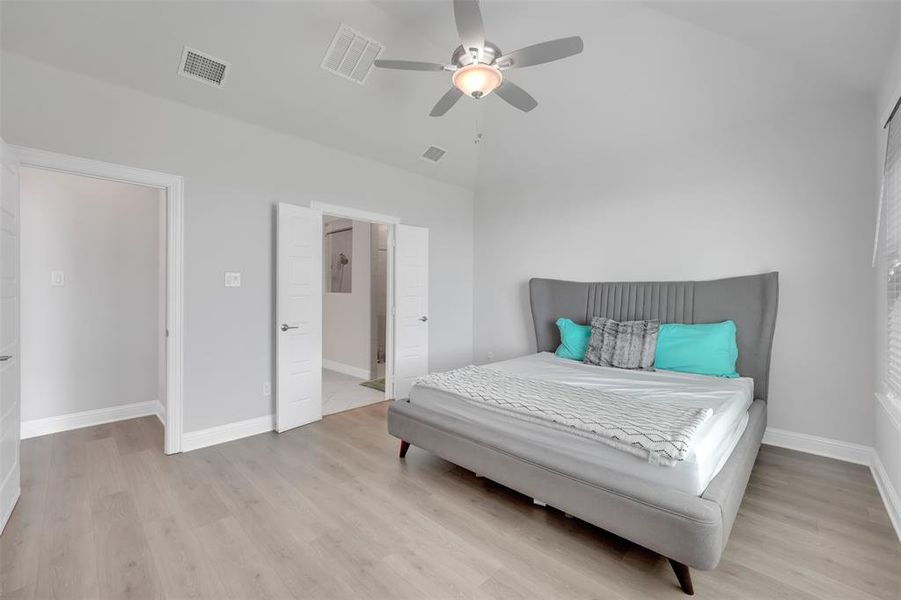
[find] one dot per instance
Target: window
(891, 199)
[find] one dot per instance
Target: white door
(298, 317)
(9, 333)
(411, 306)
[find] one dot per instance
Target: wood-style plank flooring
(328, 511)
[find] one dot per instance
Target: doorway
(92, 316)
(168, 299)
(304, 275)
(354, 313)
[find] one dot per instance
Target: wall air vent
(433, 154)
(203, 67)
(351, 54)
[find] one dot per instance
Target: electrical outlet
(491, 356)
(232, 279)
(57, 278)
(267, 389)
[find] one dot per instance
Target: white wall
(93, 342)
(346, 317)
(234, 174)
(745, 165)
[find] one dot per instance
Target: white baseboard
(161, 412)
(9, 495)
(88, 418)
(193, 440)
(813, 444)
(848, 452)
(357, 372)
(888, 492)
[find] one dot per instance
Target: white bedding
(728, 398)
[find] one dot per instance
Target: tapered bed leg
(683, 574)
(404, 446)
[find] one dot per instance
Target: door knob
(423, 318)
(286, 327)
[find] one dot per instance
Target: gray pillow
(625, 345)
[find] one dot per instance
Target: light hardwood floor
(328, 511)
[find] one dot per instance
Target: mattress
(729, 400)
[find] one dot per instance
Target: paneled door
(9, 334)
(298, 317)
(411, 306)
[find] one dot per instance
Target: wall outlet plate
(232, 279)
(267, 389)
(57, 278)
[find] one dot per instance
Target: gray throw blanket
(660, 431)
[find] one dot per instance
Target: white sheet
(729, 399)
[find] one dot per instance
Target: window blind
(891, 199)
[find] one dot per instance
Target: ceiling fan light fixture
(477, 80)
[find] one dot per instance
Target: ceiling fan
(478, 66)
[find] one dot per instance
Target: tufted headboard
(750, 301)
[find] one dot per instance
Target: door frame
(173, 185)
(355, 214)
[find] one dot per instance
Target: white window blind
(891, 199)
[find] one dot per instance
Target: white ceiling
(848, 42)
(666, 68)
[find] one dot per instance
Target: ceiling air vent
(203, 67)
(433, 154)
(351, 54)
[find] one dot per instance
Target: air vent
(351, 54)
(433, 154)
(203, 67)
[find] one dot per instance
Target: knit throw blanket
(660, 431)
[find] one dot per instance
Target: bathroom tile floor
(342, 392)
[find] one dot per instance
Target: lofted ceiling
(651, 69)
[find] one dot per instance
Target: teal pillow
(573, 339)
(704, 348)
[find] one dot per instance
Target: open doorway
(354, 313)
(93, 311)
(301, 285)
(165, 221)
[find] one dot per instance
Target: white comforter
(729, 400)
(662, 431)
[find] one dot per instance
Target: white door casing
(9, 334)
(298, 317)
(411, 307)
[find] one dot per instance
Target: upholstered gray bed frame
(691, 531)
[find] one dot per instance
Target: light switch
(232, 279)
(57, 278)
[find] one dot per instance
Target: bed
(686, 511)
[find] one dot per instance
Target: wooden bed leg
(683, 574)
(404, 446)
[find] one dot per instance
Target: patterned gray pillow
(625, 345)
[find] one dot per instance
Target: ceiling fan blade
(469, 23)
(544, 52)
(516, 96)
(408, 65)
(446, 102)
